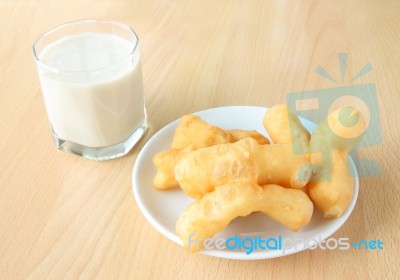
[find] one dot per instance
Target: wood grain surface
(62, 216)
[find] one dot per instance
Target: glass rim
(94, 71)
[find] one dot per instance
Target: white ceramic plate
(162, 208)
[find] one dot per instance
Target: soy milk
(95, 98)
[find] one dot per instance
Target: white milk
(103, 104)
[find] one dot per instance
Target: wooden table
(64, 216)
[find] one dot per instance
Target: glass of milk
(91, 80)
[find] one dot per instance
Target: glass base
(101, 153)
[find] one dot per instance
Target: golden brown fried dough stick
(239, 134)
(334, 196)
(165, 164)
(331, 186)
(284, 127)
(192, 133)
(210, 215)
(200, 171)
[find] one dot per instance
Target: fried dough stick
(334, 196)
(284, 127)
(331, 186)
(191, 134)
(200, 171)
(211, 214)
